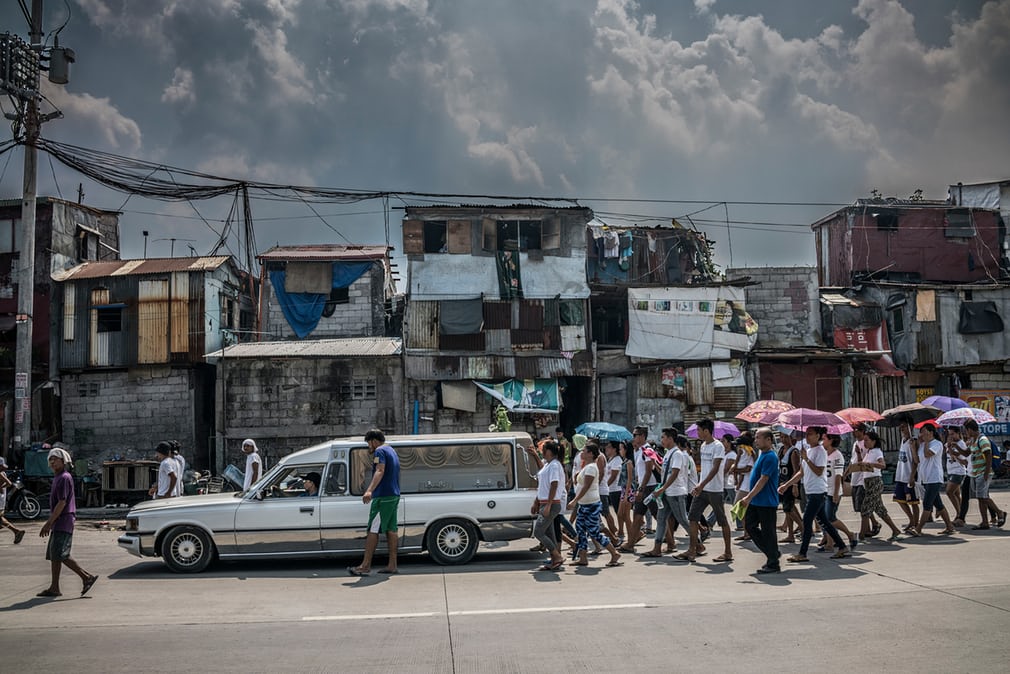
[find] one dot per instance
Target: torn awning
(525, 395)
(869, 339)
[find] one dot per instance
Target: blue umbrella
(945, 403)
(603, 431)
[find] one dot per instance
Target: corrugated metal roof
(314, 348)
(138, 267)
(324, 253)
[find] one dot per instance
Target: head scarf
(250, 441)
(60, 453)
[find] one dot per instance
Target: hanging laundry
(611, 244)
(509, 281)
(627, 250)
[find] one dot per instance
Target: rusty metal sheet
(650, 384)
(700, 390)
(421, 325)
(152, 319)
(324, 252)
(179, 318)
(100, 341)
(431, 368)
(531, 315)
(729, 400)
(498, 341)
(527, 340)
(497, 315)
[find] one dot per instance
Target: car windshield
(267, 477)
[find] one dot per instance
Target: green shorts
(382, 514)
(58, 548)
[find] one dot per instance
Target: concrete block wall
(362, 316)
(293, 403)
(785, 304)
(127, 413)
(990, 380)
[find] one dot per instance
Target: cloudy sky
(710, 101)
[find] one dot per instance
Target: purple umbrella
(803, 418)
(945, 403)
(721, 428)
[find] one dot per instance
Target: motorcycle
(20, 499)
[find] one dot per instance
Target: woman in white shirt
(869, 460)
(547, 505)
(587, 501)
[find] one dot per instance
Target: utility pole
(26, 258)
(20, 65)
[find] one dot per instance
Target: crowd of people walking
(597, 495)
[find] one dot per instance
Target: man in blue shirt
(762, 501)
(383, 495)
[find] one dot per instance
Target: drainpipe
(417, 417)
(847, 375)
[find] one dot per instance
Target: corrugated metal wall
(152, 320)
(421, 325)
(729, 400)
(180, 312)
(700, 390)
(881, 393)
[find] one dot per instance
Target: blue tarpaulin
(303, 310)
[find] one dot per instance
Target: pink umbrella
(721, 428)
(803, 418)
(759, 409)
(858, 415)
(957, 417)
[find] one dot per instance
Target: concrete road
(927, 605)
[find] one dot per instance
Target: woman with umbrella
(869, 460)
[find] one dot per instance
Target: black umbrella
(911, 413)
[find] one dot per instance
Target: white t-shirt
(730, 477)
(873, 456)
(903, 471)
(640, 461)
(250, 461)
(836, 467)
(813, 483)
(678, 458)
(592, 495)
(181, 462)
(602, 485)
(710, 452)
(858, 453)
(744, 461)
(931, 467)
(613, 465)
(166, 469)
(955, 467)
(552, 472)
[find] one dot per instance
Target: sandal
(624, 549)
(913, 533)
(652, 554)
(580, 563)
(841, 554)
(980, 527)
(354, 571)
(722, 558)
(615, 563)
(684, 557)
(948, 532)
(796, 559)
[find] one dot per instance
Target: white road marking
(368, 616)
(547, 609)
(493, 611)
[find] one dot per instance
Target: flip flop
(684, 557)
(355, 572)
(700, 553)
(979, 527)
(580, 563)
(88, 584)
(722, 558)
(557, 565)
(624, 549)
(49, 593)
(613, 564)
(651, 554)
(389, 572)
(18, 536)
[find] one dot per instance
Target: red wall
(814, 385)
(917, 246)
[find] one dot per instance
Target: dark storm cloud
(683, 100)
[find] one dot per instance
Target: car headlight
(132, 523)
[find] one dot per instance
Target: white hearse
(457, 490)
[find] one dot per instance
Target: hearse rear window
(443, 468)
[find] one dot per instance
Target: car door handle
(307, 509)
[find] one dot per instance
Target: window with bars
(358, 389)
